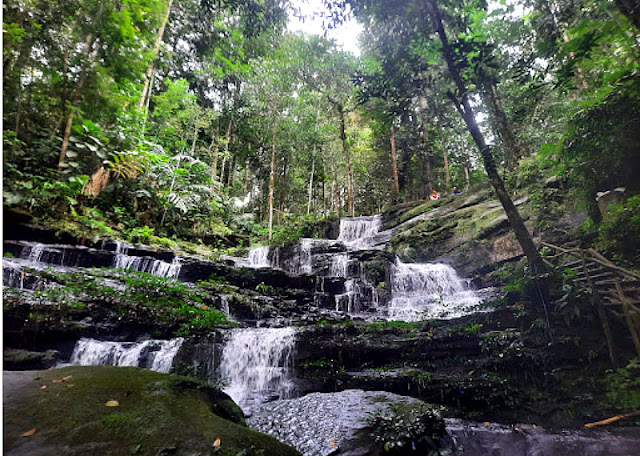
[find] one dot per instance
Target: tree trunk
(466, 112)
(246, 176)
(394, 162)
(283, 189)
(466, 178)
(313, 169)
(512, 149)
(447, 176)
(148, 80)
(272, 172)
(87, 59)
(343, 138)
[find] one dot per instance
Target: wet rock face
(19, 360)
(322, 424)
(476, 439)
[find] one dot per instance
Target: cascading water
(360, 233)
(156, 355)
(427, 290)
(306, 257)
(149, 265)
(256, 364)
(339, 265)
(152, 266)
(258, 258)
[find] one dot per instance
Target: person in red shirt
(434, 195)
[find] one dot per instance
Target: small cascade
(428, 290)
(12, 273)
(146, 264)
(258, 258)
(156, 355)
(224, 307)
(339, 265)
(257, 365)
(360, 233)
(34, 254)
(306, 257)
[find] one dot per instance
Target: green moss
(155, 412)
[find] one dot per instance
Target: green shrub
(619, 233)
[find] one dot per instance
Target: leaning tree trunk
(148, 79)
(463, 107)
(88, 59)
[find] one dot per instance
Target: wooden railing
(616, 290)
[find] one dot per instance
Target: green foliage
(165, 303)
(623, 386)
(403, 429)
(140, 234)
(265, 289)
(91, 224)
(619, 232)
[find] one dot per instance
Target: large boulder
(115, 411)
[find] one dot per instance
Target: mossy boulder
(156, 414)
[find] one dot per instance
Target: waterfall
(12, 273)
(339, 265)
(256, 364)
(145, 264)
(306, 258)
(156, 355)
(428, 290)
(360, 233)
(258, 257)
(34, 254)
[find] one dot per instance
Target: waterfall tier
(257, 365)
(428, 290)
(360, 233)
(156, 355)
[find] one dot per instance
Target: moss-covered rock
(155, 414)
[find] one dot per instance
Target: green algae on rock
(157, 414)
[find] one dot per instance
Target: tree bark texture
(512, 149)
(394, 162)
(343, 138)
(272, 172)
(148, 79)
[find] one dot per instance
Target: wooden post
(601, 312)
(627, 316)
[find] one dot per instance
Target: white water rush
(257, 365)
(156, 355)
(430, 290)
(123, 260)
(258, 257)
(360, 233)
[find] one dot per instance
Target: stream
(257, 363)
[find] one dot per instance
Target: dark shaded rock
(20, 360)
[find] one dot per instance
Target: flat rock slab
(321, 424)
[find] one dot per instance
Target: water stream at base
(156, 355)
(257, 365)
